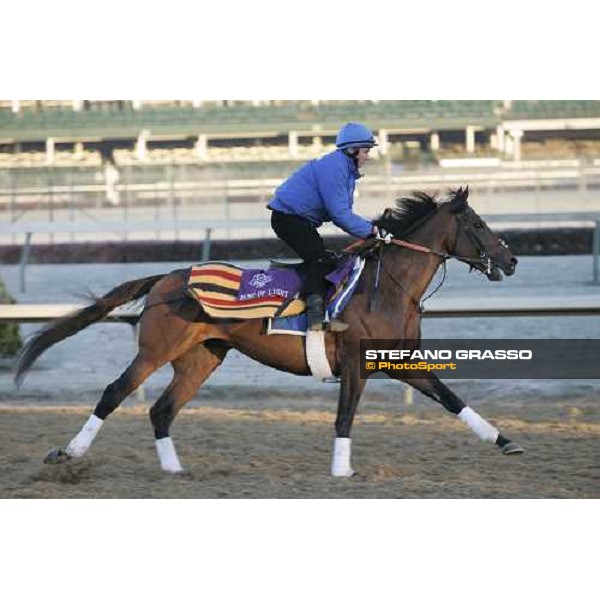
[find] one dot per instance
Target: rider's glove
(382, 235)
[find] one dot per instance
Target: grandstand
(126, 119)
(553, 109)
(55, 132)
(92, 152)
(25, 125)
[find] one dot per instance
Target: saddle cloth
(228, 292)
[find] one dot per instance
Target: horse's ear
(462, 194)
(459, 199)
(387, 213)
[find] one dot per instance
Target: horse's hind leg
(191, 370)
(140, 369)
(435, 389)
(164, 335)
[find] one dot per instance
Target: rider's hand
(382, 235)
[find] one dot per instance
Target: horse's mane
(408, 213)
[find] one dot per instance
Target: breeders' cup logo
(260, 280)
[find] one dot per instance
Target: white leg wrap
(83, 440)
(480, 426)
(167, 455)
(316, 356)
(340, 466)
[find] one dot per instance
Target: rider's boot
(315, 314)
(315, 311)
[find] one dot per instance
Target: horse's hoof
(174, 470)
(512, 448)
(56, 456)
(345, 473)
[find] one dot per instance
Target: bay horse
(174, 328)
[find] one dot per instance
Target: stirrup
(316, 326)
(334, 326)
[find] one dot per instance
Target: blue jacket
(323, 190)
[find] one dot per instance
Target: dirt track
(279, 447)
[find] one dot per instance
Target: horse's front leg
(431, 386)
(351, 389)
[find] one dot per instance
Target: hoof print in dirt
(56, 456)
(70, 472)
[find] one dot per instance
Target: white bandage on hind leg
(340, 465)
(83, 440)
(480, 426)
(167, 455)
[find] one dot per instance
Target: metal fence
(180, 192)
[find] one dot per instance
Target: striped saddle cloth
(228, 292)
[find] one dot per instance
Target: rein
(486, 263)
(471, 261)
(483, 261)
(418, 248)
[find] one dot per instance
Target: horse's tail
(65, 327)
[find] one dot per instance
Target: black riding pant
(304, 239)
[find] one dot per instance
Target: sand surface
(269, 446)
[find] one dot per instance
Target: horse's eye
(478, 225)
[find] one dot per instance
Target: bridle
(483, 263)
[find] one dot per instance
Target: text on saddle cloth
(285, 283)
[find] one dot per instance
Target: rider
(322, 190)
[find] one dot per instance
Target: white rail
(435, 308)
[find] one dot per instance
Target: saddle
(226, 291)
(275, 263)
(335, 259)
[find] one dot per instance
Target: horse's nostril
(513, 261)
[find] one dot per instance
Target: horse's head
(470, 240)
(476, 241)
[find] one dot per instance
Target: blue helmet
(355, 135)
